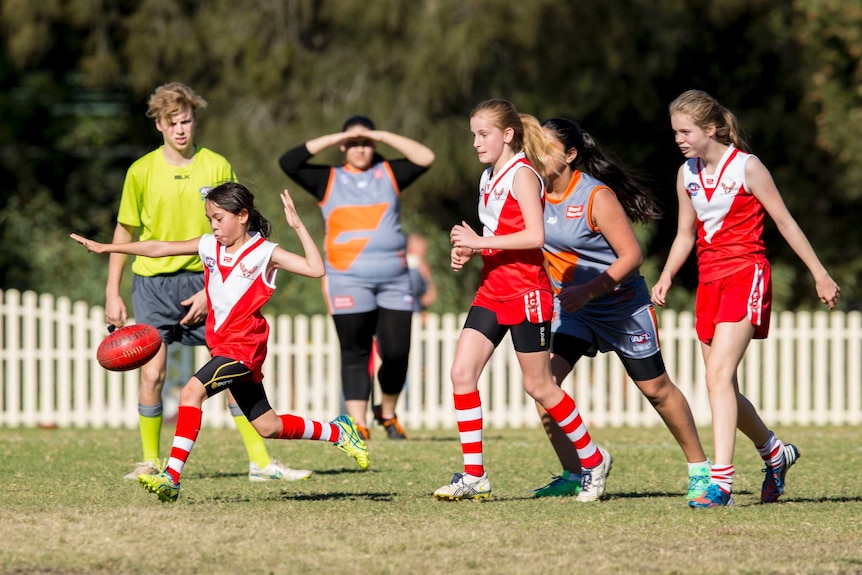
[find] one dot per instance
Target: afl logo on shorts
(640, 337)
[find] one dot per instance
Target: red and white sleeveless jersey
(508, 274)
(237, 288)
(729, 217)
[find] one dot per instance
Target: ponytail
(636, 198)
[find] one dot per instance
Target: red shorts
(743, 294)
(535, 306)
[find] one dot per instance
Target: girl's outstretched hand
(290, 213)
(92, 246)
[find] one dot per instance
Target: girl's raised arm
(311, 264)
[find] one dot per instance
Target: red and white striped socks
(468, 412)
(568, 417)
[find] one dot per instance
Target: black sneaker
(391, 425)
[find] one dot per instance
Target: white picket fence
(808, 372)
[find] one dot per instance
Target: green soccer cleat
(698, 482)
(162, 485)
(349, 440)
(560, 486)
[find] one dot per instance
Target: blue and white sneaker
(773, 483)
(714, 497)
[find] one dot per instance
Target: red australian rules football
(129, 347)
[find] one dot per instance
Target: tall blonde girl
(514, 295)
(724, 192)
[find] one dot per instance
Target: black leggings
(356, 333)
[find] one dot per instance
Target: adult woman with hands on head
(367, 285)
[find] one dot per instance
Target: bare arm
(311, 263)
(115, 308)
(763, 187)
(149, 248)
(532, 236)
(320, 143)
(430, 295)
(412, 150)
(609, 217)
(686, 233)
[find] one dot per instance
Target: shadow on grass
(650, 494)
(335, 496)
(453, 438)
(230, 474)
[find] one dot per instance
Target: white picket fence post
(808, 372)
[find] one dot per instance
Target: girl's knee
(267, 425)
(193, 393)
(542, 389)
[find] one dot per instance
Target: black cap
(357, 121)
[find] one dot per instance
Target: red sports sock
(295, 427)
(188, 426)
(468, 412)
(568, 417)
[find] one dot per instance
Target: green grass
(66, 510)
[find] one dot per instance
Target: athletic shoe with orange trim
(391, 425)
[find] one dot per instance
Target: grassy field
(66, 510)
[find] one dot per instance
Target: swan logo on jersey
(728, 188)
(575, 212)
(247, 273)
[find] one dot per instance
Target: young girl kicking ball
(240, 267)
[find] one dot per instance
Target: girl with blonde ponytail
(724, 192)
(514, 296)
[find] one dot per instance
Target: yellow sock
(151, 431)
(254, 443)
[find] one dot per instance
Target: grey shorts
(631, 333)
(345, 294)
(156, 301)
